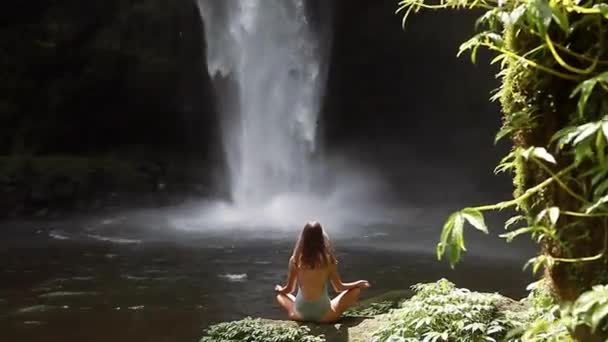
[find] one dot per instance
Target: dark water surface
(70, 282)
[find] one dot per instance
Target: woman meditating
(311, 266)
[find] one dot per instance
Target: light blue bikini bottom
(313, 310)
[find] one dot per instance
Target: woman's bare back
(313, 282)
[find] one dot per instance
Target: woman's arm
(297, 249)
(292, 276)
(339, 286)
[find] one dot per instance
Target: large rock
(358, 325)
(376, 314)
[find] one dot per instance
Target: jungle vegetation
(553, 63)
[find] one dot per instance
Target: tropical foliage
(257, 330)
(554, 96)
(441, 312)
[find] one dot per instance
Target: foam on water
(117, 240)
(240, 277)
(58, 294)
(58, 235)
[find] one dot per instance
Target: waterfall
(268, 65)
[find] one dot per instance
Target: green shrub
(590, 309)
(258, 330)
(541, 321)
(441, 312)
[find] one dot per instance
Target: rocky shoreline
(389, 317)
(56, 186)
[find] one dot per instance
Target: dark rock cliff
(96, 76)
(92, 76)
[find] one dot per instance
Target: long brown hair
(314, 247)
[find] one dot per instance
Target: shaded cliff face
(88, 76)
(395, 84)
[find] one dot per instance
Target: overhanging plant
(553, 63)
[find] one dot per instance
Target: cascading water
(269, 69)
(268, 54)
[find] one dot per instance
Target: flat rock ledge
(349, 329)
(358, 323)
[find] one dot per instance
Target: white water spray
(269, 67)
(267, 50)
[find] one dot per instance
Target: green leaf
(458, 234)
(538, 153)
(561, 19)
(503, 131)
(600, 145)
(475, 218)
(516, 14)
(512, 235)
(541, 153)
(605, 129)
(589, 130)
(585, 302)
(534, 285)
(565, 135)
(585, 90)
(536, 263)
(600, 174)
(583, 152)
(446, 233)
(539, 14)
(600, 190)
(456, 238)
(553, 215)
(478, 40)
(498, 58)
(598, 315)
(597, 204)
(507, 163)
(514, 220)
(487, 18)
(603, 9)
(520, 120)
(469, 44)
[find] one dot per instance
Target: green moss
(259, 330)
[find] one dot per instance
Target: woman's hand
(279, 289)
(363, 284)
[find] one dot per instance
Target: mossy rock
(357, 325)
(349, 329)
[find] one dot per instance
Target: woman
(312, 265)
